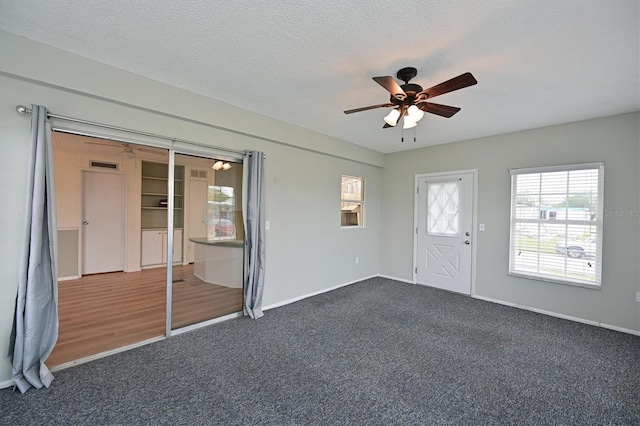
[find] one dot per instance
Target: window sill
(556, 281)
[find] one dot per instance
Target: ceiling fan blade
(442, 110)
(459, 82)
(392, 87)
(150, 150)
(113, 145)
(351, 111)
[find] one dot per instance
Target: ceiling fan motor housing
(411, 91)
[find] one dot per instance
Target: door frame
(199, 152)
(125, 223)
(187, 250)
(474, 219)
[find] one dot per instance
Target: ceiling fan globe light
(226, 166)
(392, 118)
(217, 165)
(408, 123)
(415, 114)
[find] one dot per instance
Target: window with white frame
(556, 223)
(352, 201)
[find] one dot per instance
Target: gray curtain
(254, 240)
(35, 322)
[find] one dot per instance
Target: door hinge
(416, 270)
(416, 230)
(417, 189)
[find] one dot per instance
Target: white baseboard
(315, 293)
(75, 277)
(557, 315)
(396, 279)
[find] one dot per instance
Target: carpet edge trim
(105, 354)
(207, 323)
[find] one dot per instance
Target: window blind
(556, 223)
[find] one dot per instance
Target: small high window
(352, 201)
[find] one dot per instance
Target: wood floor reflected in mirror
(103, 312)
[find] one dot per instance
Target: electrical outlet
(638, 297)
(357, 260)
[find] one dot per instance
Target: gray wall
(614, 140)
(306, 249)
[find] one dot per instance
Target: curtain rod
(24, 110)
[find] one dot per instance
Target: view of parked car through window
(577, 248)
(219, 212)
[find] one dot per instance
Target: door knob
(467, 242)
(467, 233)
(85, 222)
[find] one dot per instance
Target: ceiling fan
(409, 100)
(129, 150)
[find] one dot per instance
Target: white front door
(103, 213)
(444, 231)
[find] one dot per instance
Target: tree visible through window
(352, 201)
(556, 223)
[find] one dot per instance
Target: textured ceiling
(537, 62)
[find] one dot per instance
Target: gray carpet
(376, 352)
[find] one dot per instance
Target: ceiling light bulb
(392, 118)
(226, 166)
(408, 123)
(415, 114)
(217, 165)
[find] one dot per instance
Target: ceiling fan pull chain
(402, 138)
(414, 134)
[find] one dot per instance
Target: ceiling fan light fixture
(414, 114)
(392, 118)
(128, 152)
(226, 166)
(409, 124)
(217, 165)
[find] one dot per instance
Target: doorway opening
(113, 244)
